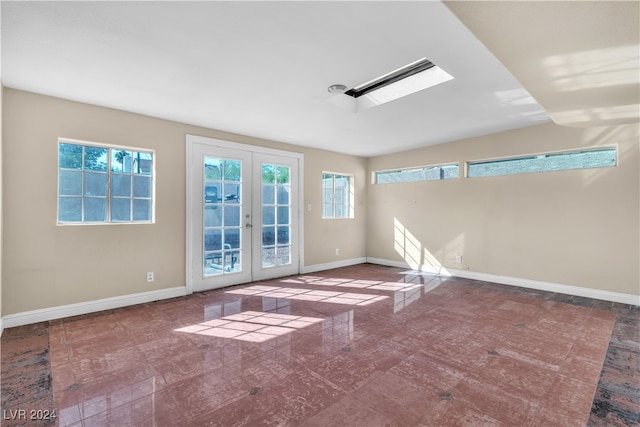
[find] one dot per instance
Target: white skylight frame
(404, 87)
(414, 77)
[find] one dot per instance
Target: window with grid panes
(337, 195)
(104, 184)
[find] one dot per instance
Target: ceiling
(262, 69)
(579, 59)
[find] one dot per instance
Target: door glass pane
(282, 175)
(283, 235)
(232, 216)
(283, 214)
(284, 256)
(232, 192)
(268, 236)
(276, 209)
(268, 194)
(212, 216)
(232, 238)
(268, 174)
(222, 210)
(211, 192)
(283, 194)
(213, 239)
(231, 170)
(268, 215)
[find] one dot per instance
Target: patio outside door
(243, 216)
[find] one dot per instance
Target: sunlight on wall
(599, 136)
(406, 245)
(586, 74)
(413, 252)
(621, 113)
(452, 249)
(594, 68)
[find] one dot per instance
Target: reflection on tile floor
(423, 351)
(251, 326)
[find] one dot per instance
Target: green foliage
(70, 156)
(232, 170)
(120, 156)
(273, 173)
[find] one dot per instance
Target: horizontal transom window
(104, 184)
(582, 159)
(425, 173)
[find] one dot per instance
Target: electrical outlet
(337, 251)
(458, 259)
(150, 276)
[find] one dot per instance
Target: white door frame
(190, 196)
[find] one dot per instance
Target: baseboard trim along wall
(59, 312)
(515, 281)
(439, 270)
(330, 265)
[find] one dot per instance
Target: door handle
(247, 225)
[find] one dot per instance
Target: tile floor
(364, 345)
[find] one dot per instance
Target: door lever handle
(247, 225)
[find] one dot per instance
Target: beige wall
(46, 265)
(577, 227)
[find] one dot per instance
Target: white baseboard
(331, 265)
(59, 312)
(440, 271)
(51, 313)
(523, 283)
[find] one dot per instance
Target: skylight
(411, 78)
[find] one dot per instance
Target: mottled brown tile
(451, 351)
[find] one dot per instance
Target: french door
(242, 214)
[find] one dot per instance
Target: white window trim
(438, 165)
(72, 141)
(545, 153)
(351, 204)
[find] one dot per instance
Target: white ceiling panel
(262, 69)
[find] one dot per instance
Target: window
(337, 195)
(426, 173)
(593, 158)
(99, 184)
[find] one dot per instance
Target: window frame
(349, 205)
(374, 176)
(547, 154)
(109, 178)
